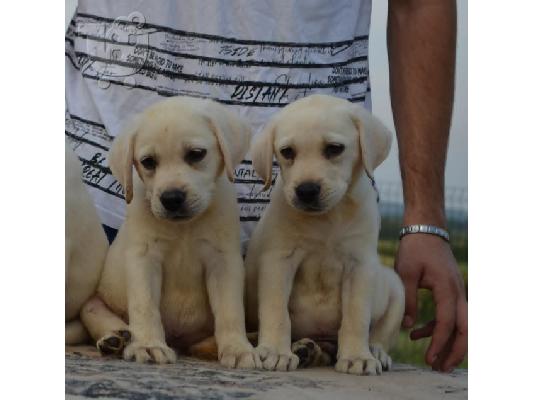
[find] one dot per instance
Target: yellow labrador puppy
(85, 248)
(312, 265)
(174, 275)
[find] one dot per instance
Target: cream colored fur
(316, 273)
(85, 248)
(176, 279)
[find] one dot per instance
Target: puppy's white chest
(185, 307)
(315, 301)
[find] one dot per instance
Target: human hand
(426, 261)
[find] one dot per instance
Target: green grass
(406, 350)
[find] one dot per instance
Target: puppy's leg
(143, 283)
(275, 281)
(225, 277)
(354, 355)
(205, 349)
(110, 332)
(385, 331)
(75, 333)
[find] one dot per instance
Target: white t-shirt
(254, 55)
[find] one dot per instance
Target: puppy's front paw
(239, 356)
(273, 359)
(363, 364)
(144, 352)
(381, 355)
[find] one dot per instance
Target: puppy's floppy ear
(121, 157)
(232, 133)
(374, 138)
(262, 154)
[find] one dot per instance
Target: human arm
(421, 47)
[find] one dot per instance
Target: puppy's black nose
(172, 200)
(308, 192)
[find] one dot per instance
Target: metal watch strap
(420, 228)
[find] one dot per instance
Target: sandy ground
(87, 375)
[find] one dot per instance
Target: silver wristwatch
(430, 229)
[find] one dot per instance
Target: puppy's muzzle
(307, 195)
(173, 200)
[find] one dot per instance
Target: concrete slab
(88, 375)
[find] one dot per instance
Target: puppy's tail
(207, 348)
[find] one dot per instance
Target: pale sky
(456, 171)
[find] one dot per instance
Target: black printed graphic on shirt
(130, 53)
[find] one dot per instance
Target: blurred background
(388, 174)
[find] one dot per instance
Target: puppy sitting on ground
(312, 265)
(85, 248)
(174, 274)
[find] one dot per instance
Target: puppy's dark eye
(333, 149)
(288, 153)
(149, 163)
(195, 155)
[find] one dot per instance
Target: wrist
(427, 215)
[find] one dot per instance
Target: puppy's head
(179, 148)
(321, 143)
